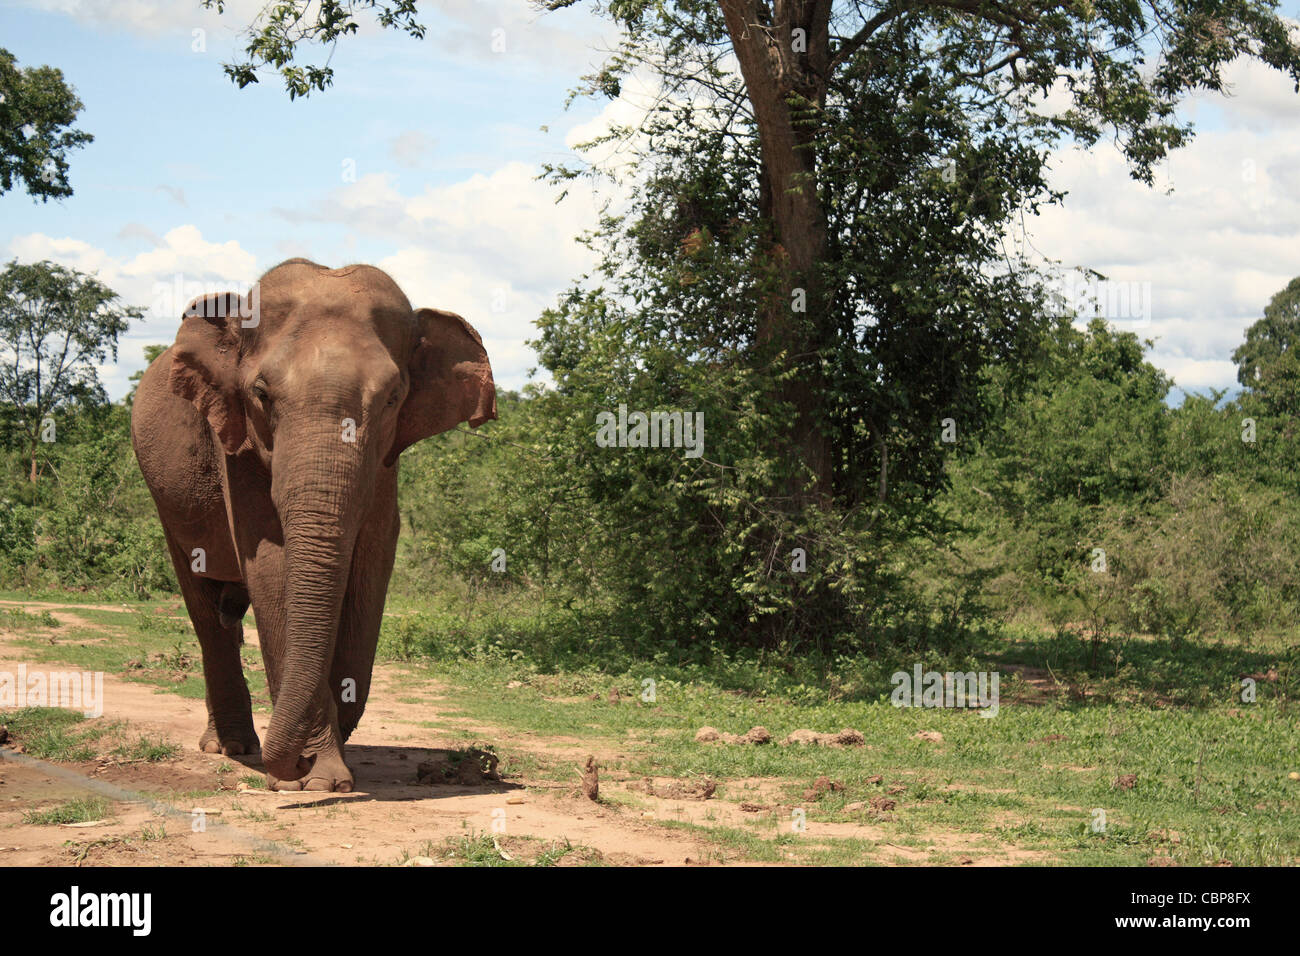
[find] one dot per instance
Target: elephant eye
(259, 393)
(392, 400)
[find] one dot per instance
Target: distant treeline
(1089, 504)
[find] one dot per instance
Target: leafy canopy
(37, 110)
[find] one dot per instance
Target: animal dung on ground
(845, 738)
(822, 785)
(701, 789)
(759, 735)
(755, 735)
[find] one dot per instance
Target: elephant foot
(230, 743)
(328, 773)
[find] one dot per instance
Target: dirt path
(390, 817)
(60, 612)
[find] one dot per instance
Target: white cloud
(1194, 375)
(496, 248)
(176, 193)
(152, 17)
(505, 30)
(185, 251)
(1257, 97)
(73, 253)
(1215, 249)
(465, 29)
(638, 94)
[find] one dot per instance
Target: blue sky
(422, 159)
(420, 146)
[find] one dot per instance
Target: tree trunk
(778, 63)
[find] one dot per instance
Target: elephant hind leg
(230, 710)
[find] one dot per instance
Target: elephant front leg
(324, 756)
(322, 762)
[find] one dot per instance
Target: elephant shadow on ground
(399, 774)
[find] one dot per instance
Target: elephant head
(315, 382)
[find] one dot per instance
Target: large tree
(37, 110)
(815, 252)
(56, 326)
(806, 72)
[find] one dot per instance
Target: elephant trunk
(319, 516)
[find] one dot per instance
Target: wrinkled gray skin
(241, 433)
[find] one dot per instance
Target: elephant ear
(205, 365)
(451, 381)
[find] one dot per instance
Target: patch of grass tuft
(80, 810)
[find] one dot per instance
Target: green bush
(1215, 557)
(88, 522)
(17, 541)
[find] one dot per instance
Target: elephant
(268, 435)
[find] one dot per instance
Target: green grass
(482, 849)
(52, 733)
(81, 810)
(1209, 768)
(46, 732)
(149, 751)
(61, 596)
(15, 618)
